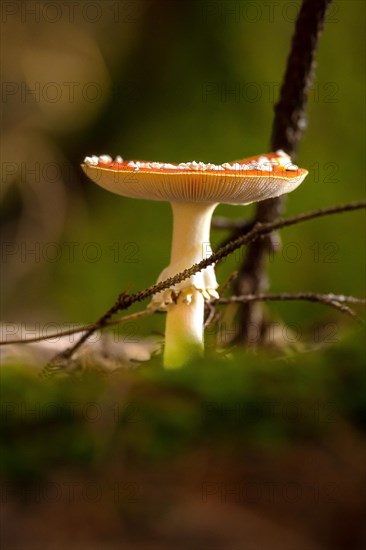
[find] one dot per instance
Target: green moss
(151, 413)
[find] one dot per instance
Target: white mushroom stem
(185, 318)
(184, 330)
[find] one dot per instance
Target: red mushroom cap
(241, 182)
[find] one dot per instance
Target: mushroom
(194, 189)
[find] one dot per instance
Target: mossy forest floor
(247, 452)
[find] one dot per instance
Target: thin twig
(227, 282)
(337, 301)
(132, 317)
(211, 313)
(124, 301)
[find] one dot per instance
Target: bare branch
(337, 301)
(227, 282)
(124, 301)
(53, 335)
(211, 312)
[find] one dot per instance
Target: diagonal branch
(124, 300)
(336, 301)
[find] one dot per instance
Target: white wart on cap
(242, 182)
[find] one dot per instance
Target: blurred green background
(167, 81)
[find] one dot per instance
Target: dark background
(168, 81)
(258, 450)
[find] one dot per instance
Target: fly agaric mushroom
(194, 189)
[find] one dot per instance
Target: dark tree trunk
(288, 126)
